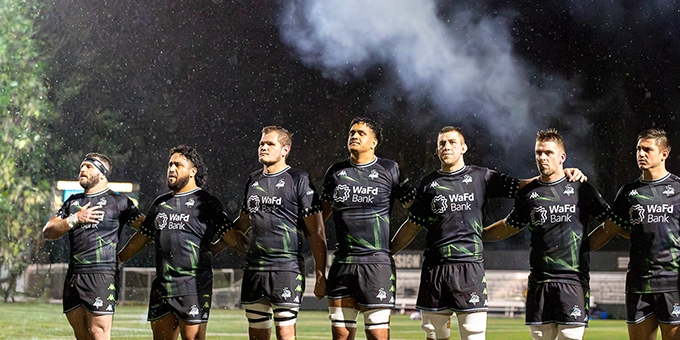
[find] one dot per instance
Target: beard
(180, 182)
(89, 182)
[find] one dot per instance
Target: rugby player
(182, 223)
(647, 211)
(280, 206)
(449, 205)
(93, 221)
(557, 213)
(359, 193)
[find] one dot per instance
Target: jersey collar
(187, 193)
(98, 192)
(655, 180)
(276, 173)
(375, 159)
(455, 172)
(564, 178)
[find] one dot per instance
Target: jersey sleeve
(420, 212)
(519, 217)
(500, 185)
(594, 202)
(244, 205)
(308, 197)
(403, 189)
(148, 228)
(327, 189)
(63, 211)
(128, 211)
(218, 219)
(620, 211)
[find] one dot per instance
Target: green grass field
(45, 321)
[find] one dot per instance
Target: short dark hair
(285, 137)
(377, 130)
(450, 128)
(551, 135)
(102, 157)
(192, 155)
(659, 137)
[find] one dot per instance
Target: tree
(24, 114)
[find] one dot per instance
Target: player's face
(180, 170)
(271, 151)
(649, 154)
(88, 176)
(450, 149)
(361, 138)
(549, 158)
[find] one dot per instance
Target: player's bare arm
(134, 246)
(604, 233)
(56, 227)
(317, 242)
(327, 210)
(498, 231)
(236, 237)
(136, 224)
(404, 236)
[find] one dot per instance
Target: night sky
(134, 78)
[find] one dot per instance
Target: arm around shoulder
(604, 233)
(134, 246)
(404, 236)
(498, 231)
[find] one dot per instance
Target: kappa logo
(633, 193)
(102, 202)
(637, 214)
(286, 293)
(253, 204)
(190, 203)
(439, 204)
(373, 175)
(467, 179)
(193, 311)
(161, 221)
(381, 294)
(669, 190)
(342, 173)
(568, 190)
(297, 299)
(111, 298)
(255, 184)
(109, 308)
(391, 299)
(434, 184)
(98, 302)
(539, 216)
(281, 183)
(341, 193)
(474, 298)
(676, 310)
(112, 287)
(534, 195)
(575, 312)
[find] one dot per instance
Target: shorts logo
(539, 216)
(193, 311)
(161, 221)
(533, 195)
(112, 287)
(568, 190)
(297, 299)
(575, 312)
(253, 204)
(439, 204)
(190, 203)
(392, 299)
(486, 303)
(676, 310)
(98, 302)
(637, 214)
(298, 289)
(467, 179)
(206, 305)
(373, 175)
(669, 191)
(341, 193)
(109, 308)
(633, 193)
(205, 316)
(102, 201)
(474, 298)
(111, 298)
(381, 294)
(286, 293)
(281, 183)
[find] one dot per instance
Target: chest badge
(373, 175)
(669, 190)
(467, 179)
(568, 190)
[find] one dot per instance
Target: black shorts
(373, 285)
(665, 306)
(460, 287)
(557, 302)
(280, 288)
(96, 292)
(193, 308)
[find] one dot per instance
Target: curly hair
(377, 130)
(192, 155)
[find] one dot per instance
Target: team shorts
(96, 292)
(280, 288)
(193, 308)
(373, 285)
(665, 306)
(460, 287)
(557, 302)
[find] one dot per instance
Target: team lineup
(282, 210)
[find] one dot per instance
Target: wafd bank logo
(172, 221)
(554, 214)
(654, 213)
(456, 202)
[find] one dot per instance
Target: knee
(377, 318)
(436, 325)
(343, 317)
(570, 332)
(259, 316)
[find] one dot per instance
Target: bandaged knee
(436, 325)
(259, 315)
(567, 332)
(544, 332)
(472, 326)
(343, 317)
(377, 318)
(285, 316)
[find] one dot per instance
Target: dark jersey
(557, 214)
(93, 246)
(362, 197)
(277, 205)
(650, 211)
(183, 226)
(449, 205)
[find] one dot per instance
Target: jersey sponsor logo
(253, 204)
(637, 214)
(568, 190)
(98, 303)
(194, 311)
(286, 293)
(364, 194)
(439, 204)
(575, 312)
(177, 221)
(102, 202)
(655, 213)
(266, 204)
(190, 203)
(161, 221)
(669, 190)
(467, 179)
(341, 193)
(373, 175)
(381, 294)
(281, 183)
(474, 298)
(534, 195)
(539, 216)
(676, 310)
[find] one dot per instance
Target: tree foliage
(25, 112)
